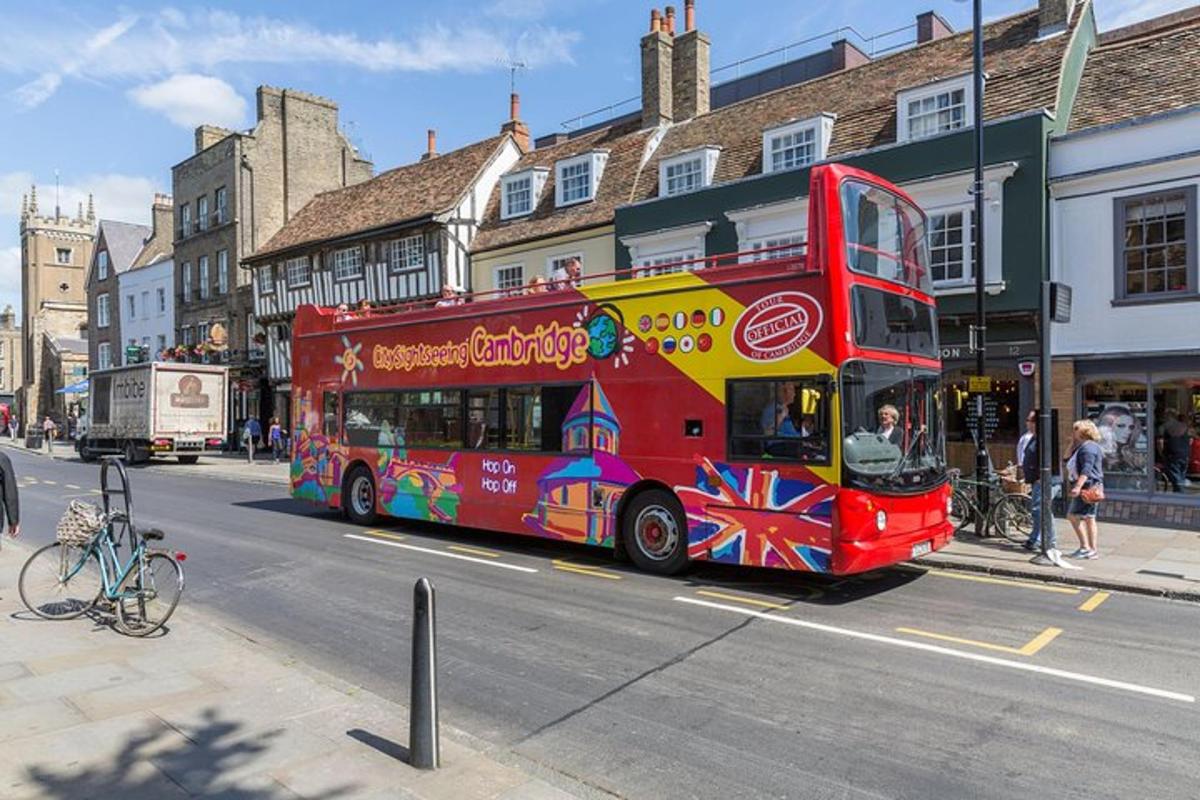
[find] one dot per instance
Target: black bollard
(424, 752)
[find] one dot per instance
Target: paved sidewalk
(86, 713)
(1132, 558)
(229, 466)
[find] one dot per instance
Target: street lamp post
(979, 329)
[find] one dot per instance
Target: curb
(1058, 577)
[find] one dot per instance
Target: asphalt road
(721, 683)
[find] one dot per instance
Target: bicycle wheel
(961, 509)
(153, 593)
(60, 581)
(1012, 518)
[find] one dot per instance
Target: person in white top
(449, 297)
(568, 274)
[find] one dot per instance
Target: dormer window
(797, 144)
(577, 178)
(687, 172)
(937, 108)
(520, 192)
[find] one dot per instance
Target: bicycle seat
(152, 534)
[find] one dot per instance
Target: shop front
(1148, 413)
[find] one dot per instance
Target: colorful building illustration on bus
(317, 463)
(418, 489)
(578, 493)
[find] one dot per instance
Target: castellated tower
(56, 250)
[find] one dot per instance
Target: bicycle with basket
(70, 576)
(1009, 512)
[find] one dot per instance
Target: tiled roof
(1023, 74)
(405, 193)
(124, 241)
(1149, 70)
(625, 145)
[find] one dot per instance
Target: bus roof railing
(791, 257)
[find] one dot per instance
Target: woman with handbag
(1085, 471)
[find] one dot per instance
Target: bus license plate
(921, 548)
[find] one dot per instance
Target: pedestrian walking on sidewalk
(8, 497)
(1031, 471)
(252, 437)
(48, 431)
(12, 428)
(275, 436)
(1085, 472)
(1175, 444)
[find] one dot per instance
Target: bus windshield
(892, 425)
(885, 236)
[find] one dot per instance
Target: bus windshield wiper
(905, 456)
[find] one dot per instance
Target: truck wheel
(654, 532)
(358, 496)
(86, 455)
(188, 459)
(130, 454)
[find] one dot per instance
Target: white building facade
(147, 309)
(1125, 236)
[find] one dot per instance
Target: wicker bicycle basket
(79, 523)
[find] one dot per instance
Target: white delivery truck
(156, 409)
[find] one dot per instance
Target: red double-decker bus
(777, 409)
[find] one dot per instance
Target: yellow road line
(1040, 587)
(582, 569)
(1093, 602)
(385, 535)
(739, 599)
(475, 551)
(1031, 648)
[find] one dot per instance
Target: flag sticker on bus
(777, 326)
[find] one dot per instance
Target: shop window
(1001, 414)
(1119, 409)
(1177, 436)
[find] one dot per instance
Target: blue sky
(108, 94)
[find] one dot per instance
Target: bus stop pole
(980, 328)
(424, 752)
(1045, 446)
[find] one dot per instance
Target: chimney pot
(514, 106)
(430, 145)
(655, 21)
(671, 20)
(689, 15)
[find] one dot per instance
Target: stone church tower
(55, 253)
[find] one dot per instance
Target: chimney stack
(518, 129)
(847, 56)
(430, 145)
(1053, 15)
(931, 27)
(162, 215)
(690, 68)
(657, 104)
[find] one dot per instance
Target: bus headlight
(880, 520)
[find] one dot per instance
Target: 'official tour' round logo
(777, 326)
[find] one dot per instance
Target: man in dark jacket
(8, 496)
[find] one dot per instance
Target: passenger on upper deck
(569, 274)
(537, 285)
(449, 297)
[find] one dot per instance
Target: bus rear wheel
(358, 497)
(655, 533)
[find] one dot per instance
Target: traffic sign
(979, 383)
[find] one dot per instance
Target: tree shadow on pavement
(213, 760)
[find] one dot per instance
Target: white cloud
(192, 100)
(10, 277)
(517, 9)
(150, 47)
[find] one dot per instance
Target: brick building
(117, 245)
(232, 195)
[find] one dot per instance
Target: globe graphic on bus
(603, 334)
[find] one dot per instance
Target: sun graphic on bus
(606, 334)
(349, 361)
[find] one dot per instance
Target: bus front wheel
(654, 532)
(358, 498)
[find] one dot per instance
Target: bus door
(330, 416)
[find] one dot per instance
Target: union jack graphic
(744, 515)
